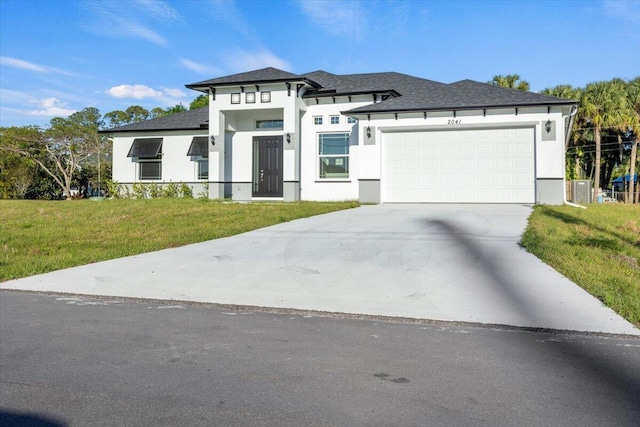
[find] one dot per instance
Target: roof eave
(204, 86)
(330, 94)
(108, 131)
(451, 108)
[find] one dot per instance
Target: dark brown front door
(267, 166)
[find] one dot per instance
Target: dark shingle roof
(264, 75)
(465, 94)
(333, 85)
(187, 120)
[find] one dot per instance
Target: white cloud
(51, 107)
(128, 28)
(107, 19)
(199, 68)
(159, 9)
(344, 19)
(174, 93)
(243, 61)
(227, 12)
(134, 91)
(23, 65)
(30, 66)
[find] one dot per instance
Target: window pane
(203, 169)
(317, 120)
(235, 98)
(335, 120)
(334, 143)
(150, 170)
(265, 97)
(269, 124)
(334, 167)
(250, 97)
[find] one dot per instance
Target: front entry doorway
(267, 166)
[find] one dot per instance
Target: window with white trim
(235, 98)
(351, 120)
(265, 97)
(203, 168)
(334, 120)
(250, 97)
(333, 155)
(317, 120)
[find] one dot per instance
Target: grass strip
(597, 248)
(41, 236)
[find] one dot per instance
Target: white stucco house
(375, 137)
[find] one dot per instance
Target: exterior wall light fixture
(547, 126)
(368, 132)
(212, 139)
(288, 138)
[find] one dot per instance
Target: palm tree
(570, 92)
(602, 105)
(633, 101)
(511, 81)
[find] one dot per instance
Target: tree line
(69, 158)
(604, 138)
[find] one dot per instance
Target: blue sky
(57, 57)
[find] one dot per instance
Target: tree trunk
(596, 172)
(632, 171)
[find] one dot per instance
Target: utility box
(581, 191)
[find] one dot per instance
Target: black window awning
(145, 147)
(199, 146)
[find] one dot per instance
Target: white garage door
(465, 166)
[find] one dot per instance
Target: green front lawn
(597, 248)
(41, 236)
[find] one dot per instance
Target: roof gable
(264, 75)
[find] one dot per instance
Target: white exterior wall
(176, 165)
(549, 155)
(313, 188)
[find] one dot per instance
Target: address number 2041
(454, 122)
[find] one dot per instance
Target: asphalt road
(93, 361)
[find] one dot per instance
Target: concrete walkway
(442, 262)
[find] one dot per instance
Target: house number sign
(454, 122)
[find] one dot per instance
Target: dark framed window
(269, 124)
(334, 120)
(150, 168)
(333, 155)
(317, 120)
(146, 151)
(250, 97)
(265, 96)
(235, 98)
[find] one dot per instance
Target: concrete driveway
(442, 262)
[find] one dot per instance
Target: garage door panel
(482, 166)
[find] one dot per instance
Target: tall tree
(178, 108)
(17, 172)
(511, 81)
(602, 105)
(137, 114)
(200, 101)
(157, 112)
(61, 149)
(117, 118)
(633, 102)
